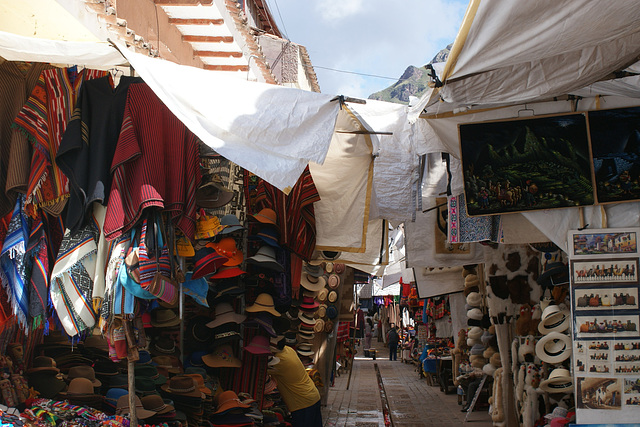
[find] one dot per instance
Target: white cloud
(332, 10)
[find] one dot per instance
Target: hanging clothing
(74, 272)
(44, 119)
(295, 213)
(89, 143)
(156, 164)
(463, 228)
(17, 80)
(15, 263)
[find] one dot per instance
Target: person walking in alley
(368, 333)
(392, 339)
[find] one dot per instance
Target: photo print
(597, 271)
(599, 393)
(616, 241)
(602, 299)
(606, 326)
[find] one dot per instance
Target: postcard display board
(606, 317)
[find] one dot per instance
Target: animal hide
(497, 415)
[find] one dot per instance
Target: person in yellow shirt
(296, 388)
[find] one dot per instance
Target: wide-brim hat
(312, 283)
(265, 216)
(222, 357)
(269, 235)
(319, 326)
(144, 386)
(167, 365)
(554, 318)
(198, 330)
(208, 261)
(322, 310)
(155, 403)
(328, 326)
(228, 400)
(150, 372)
(306, 319)
(80, 388)
(164, 346)
(46, 383)
(259, 345)
(339, 268)
(332, 312)
(263, 302)
(164, 318)
(224, 313)
(474, 299)
(309, 303)
(83, 371)
(266, 258)
(554, 347)
(306, 335)
(330, 256)
(227, 248)
(281, 324)
(182, 385)
(265, 321)
(42, 364)
(555, 273)
(290, 338)
(223, 288)
(122, 407)
(231, 223)
(226, 272)
(226, 333)
(312, 270)
(333, 281)
(333, 296)
(559, 381)
(328, 267)
(305, 351)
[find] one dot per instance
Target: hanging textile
(17, 80)
(295, 213)
(43, 119)
(39, 280)
(89, 143)
(72, 279)
(138, 181)
(14, 261)
(465, 229)
(437, 307)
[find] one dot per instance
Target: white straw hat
(559, 381)
(555, 318)
(554, 347)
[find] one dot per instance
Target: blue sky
(377, 37)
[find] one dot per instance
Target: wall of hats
(606, 317)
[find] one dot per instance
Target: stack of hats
(81, 392)
(122, 408)
(475, 315)
(187, 397)
(43, 377)
(231, 411)
(164, 411)
(225, 326)
(555, 346)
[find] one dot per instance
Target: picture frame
(525, 164)
(606, 326)
(605, 298)
(601, 271)
(619, 242)
(609, 397)
(615, 147)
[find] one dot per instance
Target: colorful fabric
(465, 229)
(138, 182)
(16, 83)
(89, 143)
(39, 280)
(44, 119)
(72, 277)
(294, 213)
(15, 263)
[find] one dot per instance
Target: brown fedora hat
(83, 371)
(182, 385)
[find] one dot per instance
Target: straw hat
(559, 381)
(312, 283)
(334, 281)
(224, 313)
(338, 268)
(332, 312)
(322, 310)
(554, 318)
(333, 296)
(322, 295)
(554, 347)
(319, 326)
(328, 267)
(264, 302)
(309, 304)
(306, 318)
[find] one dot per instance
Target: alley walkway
(411, 402)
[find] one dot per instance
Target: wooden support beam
(226, 67)
(218, 54)
(208, 39)
(194, 21)
(182, 2)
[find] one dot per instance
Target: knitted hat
(474, 299)
(474, 313)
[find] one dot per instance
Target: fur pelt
(497, 414)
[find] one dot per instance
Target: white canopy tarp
(100, 55)
(272, 131)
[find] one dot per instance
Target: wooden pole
(132, 388)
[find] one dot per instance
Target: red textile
(156, 163)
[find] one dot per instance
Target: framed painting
(601, 271)
(615, 146)
(520, 165)
(621, 242)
